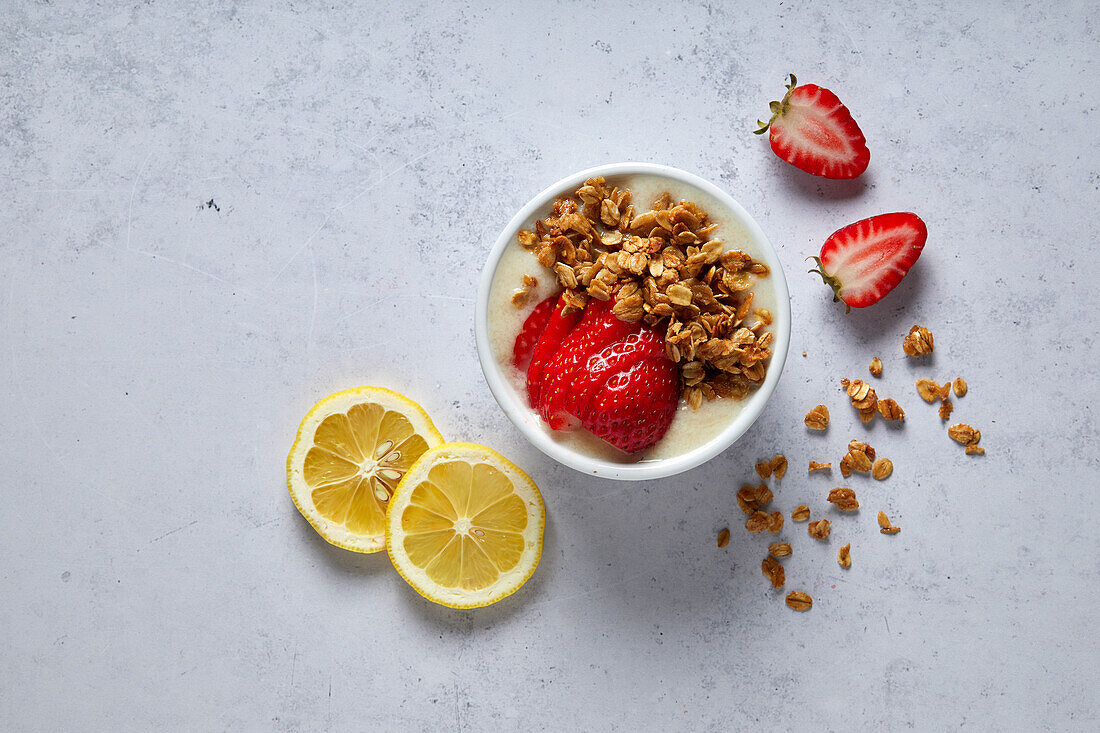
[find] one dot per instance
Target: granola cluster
(662, 268)
(918, 342)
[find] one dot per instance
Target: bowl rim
(527, 420)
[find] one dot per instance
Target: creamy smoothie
(691, 427)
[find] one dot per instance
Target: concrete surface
(214, 215)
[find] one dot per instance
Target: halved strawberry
(557, 328)
(812, 130)
(597, 328)
(636, 407)
(531, 331)
(864, 261)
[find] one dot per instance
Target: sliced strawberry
(812, 130)
(634, 409)
(864, 261)
(557, 328)
(531, 331)
(597, 328)
(648, 343)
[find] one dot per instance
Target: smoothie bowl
(632, 321)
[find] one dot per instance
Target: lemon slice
(351, 451)
(464, 527)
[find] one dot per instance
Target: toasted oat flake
(815, 466)
(844, 499)
(862, 447)
(890, 409)
(775, 522)
(845, 466)
(859, 461)
(928, 390)
(763, 495)
(876, 367)
(960, 387)
(817, 418)
(844, 556)
(757, 522)
(799, 601)
(885, 526)
(724, 537)
(974, 450)
(764, 468)
(945, 409)
(774, 572)
(779, 466)
(819, 529)
(882, 468)
(964, 434)
(780, 549)
(863, 396)
(801, 513)
(918, 342)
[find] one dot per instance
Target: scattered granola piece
(844, 499)
(751, 498)
(862, 394)
(882, 468)
(876, 367)
(819, 529)
(890, 409)
(928, 390)
(764, 468)
(799, 601)
(859, 445)
(817, 418)
(964, 434)
(757, 522)
(815, 466)
(780, 549)
(945, 409)
(746, 499)
(960, 387)
(884, 524)
(844, 556)
(801, 513)
(763, 495)
(845, 467)
(779, 466)
(724, 537)
(775, 522)
(945, 391)
(858, 461)
(975, 450)
(918, 342)
(774, 572)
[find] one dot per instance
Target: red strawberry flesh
(635, 408)
(864, 261)
(557, 329)
(566, 370)
(531, 331)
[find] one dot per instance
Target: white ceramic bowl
(527, 420)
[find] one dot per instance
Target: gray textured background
(158, 353)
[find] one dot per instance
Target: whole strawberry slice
(813, 131)
(635, 407)
(531, 332)
(864, 261)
